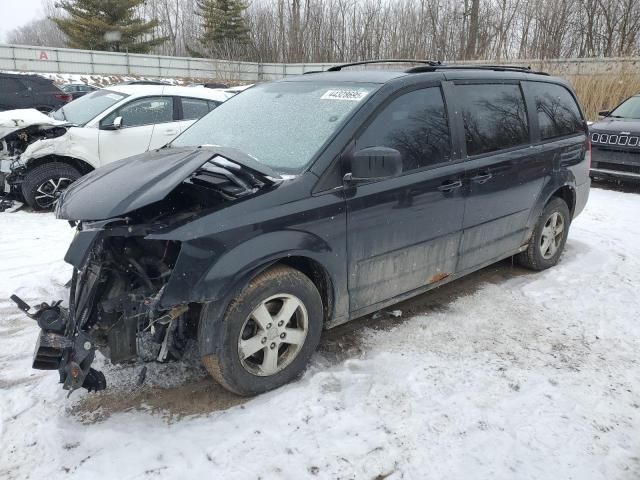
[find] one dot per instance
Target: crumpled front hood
(132, 183)
(14, 120)
(616, 125)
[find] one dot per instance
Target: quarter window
(557, 111)
(416, 125)
(495, 117)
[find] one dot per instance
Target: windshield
(282, 125)
(87, 107)
(630, 108)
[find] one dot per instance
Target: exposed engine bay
(117, 293)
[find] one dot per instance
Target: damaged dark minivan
(304, 203)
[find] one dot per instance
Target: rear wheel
(43, 185)
(549, 237)
(268, 334)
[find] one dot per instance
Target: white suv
(43, 155)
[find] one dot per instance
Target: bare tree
(337, 30)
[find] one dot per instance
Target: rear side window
(416, 125)
(8, 85)
(557, 111)
(495, 117)
(194, 108)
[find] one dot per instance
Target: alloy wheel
(49, 191)
(273, 335)
(552, 234)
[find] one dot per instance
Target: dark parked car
(77, 90)
(251, 235)
(615, 141)
(30, 91)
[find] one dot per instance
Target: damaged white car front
(41, 155)
(18, 130)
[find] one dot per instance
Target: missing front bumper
(61, 348)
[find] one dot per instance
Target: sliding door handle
(482, 178)
(449, 186)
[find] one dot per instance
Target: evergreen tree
(225, 31)
(89, 20)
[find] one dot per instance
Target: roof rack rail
(496, 68)
(337, 68)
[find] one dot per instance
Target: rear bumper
(582, 196)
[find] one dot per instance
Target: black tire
(226, 365)
(533, 257)
(41, 177)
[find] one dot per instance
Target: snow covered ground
(506, 374)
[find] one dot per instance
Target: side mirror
(116, 125)
(374, 163)
(603, 113)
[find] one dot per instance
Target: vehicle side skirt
(418, 291)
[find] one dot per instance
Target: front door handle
(171, 132)
(447, 187)
(482, 178)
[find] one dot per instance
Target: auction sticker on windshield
(352, 95)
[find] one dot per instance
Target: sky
(17, 13)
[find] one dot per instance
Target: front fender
(211, 273)
(215, 278)
(72, 144)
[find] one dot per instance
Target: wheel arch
(82, 166)
(213, 312)
(320, 277)
(565, 190)
(566, 193)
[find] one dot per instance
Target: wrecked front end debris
(121, 276)
(114, 298)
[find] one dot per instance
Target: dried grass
(603, 92)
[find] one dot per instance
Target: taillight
(65, 97)
(589, 151)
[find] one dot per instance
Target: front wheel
(43, 185)
(268, 334)
(548, 238)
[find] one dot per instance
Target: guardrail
(87, 62)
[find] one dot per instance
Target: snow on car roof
(216, 94)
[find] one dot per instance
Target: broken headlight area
(114, 307)
(12, 166)
(14, 144)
